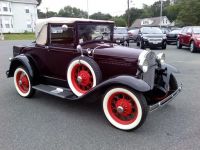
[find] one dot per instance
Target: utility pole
(128, 13)
(88, 9)
(47, 10)
(161, 10)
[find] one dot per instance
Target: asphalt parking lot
(48, 123)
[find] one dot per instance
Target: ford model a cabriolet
(76, 58)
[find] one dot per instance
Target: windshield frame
(94, 23)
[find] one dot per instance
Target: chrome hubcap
(79, 79)
(20, 82)
(120, 109)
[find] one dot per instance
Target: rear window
(120, 30)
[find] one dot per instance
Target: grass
(19, 36)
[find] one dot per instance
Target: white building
(152, 22)
(18, 16)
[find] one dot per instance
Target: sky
(113, 7)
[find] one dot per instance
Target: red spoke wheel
(22, 82)
(83, 74)
(125, 109)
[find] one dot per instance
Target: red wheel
(22, 82)
(83, 74)
(123, 108)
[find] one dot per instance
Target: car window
(151, 30)
(189, 30)
(60, 36)
(120, 30)
(184, 30)
(92, 32)
(196, 30)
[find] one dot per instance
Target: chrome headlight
(161, 57)
(143, 62)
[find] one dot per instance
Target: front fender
(20, 60)
(170, 68)
(127, 81)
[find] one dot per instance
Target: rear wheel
(22, 81)
(164, 45)
(125, 109)
(142, 45)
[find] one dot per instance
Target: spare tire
(83, 74)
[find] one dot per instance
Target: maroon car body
(189, 37)
(76, 58)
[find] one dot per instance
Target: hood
(153, 35)
(114, 50)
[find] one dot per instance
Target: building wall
(18, 17)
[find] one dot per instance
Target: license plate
(155, 42)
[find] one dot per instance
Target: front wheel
(178, 44)
(125, 109)
(192, 47)
(23, 84)
(164, 45)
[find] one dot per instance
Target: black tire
(142, 44)
(192, 47)
(23, 82)
(178, 44)
(138, 101)
(87, 75)
(164, 45)
(138, 44)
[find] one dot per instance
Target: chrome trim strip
(165, 101)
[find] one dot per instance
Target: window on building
(7, 25)
(28, 25)
(5, 8)
(27, 10)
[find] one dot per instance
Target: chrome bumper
(165, 101)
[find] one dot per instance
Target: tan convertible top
(41, 25)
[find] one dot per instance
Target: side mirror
(65, 27)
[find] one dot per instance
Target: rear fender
(20, 60)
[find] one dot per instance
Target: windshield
(152, 30)
(196, 30)
(175, 32)
(120, 31)
(92, 32)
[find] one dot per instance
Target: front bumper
(148, 43)
(165, 101)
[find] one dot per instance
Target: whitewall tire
(82, 75)
(22, 82)
(124, 109)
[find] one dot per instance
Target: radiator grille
(149, 76)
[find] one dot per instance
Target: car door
(188, 36)
(61, 50)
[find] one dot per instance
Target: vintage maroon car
(76, 59)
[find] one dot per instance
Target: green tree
(69, 11)
(39, 2)
(101, 16)
(119, 21)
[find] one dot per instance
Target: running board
(55, 91)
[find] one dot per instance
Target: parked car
(189, 37)
(121, 36)
(172, 36)
(72, 59)
(151, 37)
(133, 34)
(165, 30)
